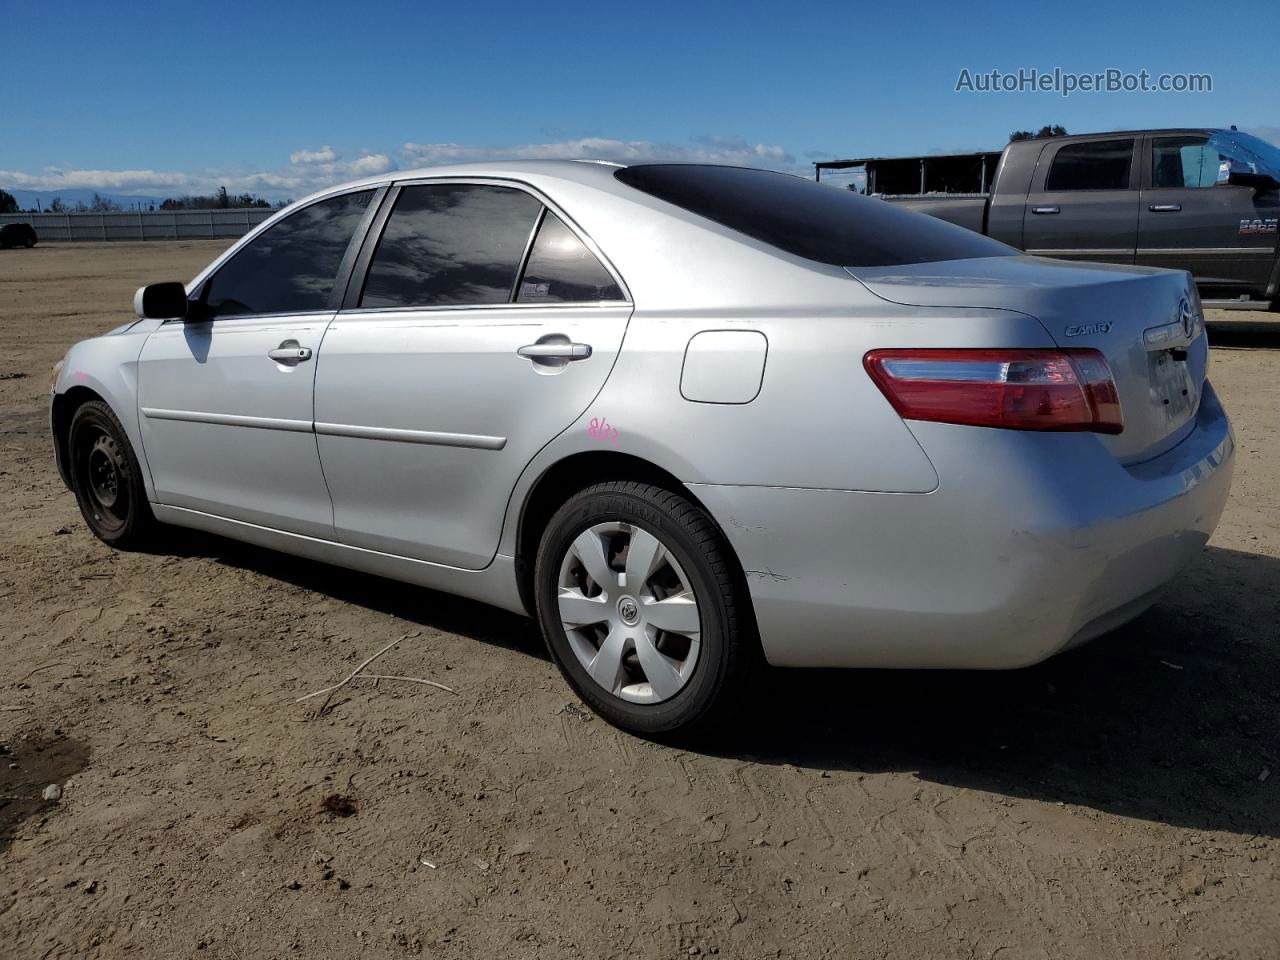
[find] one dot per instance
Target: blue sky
(281, 98)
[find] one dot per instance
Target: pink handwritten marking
(600, 429)
(81, 376)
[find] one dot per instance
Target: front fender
(106, 367)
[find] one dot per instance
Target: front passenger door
(226, 398)
(1190, 222)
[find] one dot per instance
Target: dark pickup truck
(1203, 200)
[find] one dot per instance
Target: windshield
(1263, 157)
(807, 219)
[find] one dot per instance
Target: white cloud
(54, 178)
(325, 154)
(371, 164)
(729, 150)
(313, 169)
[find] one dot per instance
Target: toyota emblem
(1186, 317)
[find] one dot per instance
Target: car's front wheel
(106, 478)
(641, 607)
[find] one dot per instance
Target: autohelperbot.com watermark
(1065, 82)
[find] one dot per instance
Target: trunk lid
(1146, 321)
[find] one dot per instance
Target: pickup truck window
(809, 220)
(1091, 165)
(1183, 162)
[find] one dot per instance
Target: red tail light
(1014, 389)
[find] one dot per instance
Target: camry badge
(1084, 328)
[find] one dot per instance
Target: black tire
(107, 479)
(729, 658)
(29, 243)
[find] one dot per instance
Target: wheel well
(64, 407)
(566, 478)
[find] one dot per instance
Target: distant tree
(1045, 131)
(101, 204)
(219, 201)
(57, 206)
(8, 203)
(249, 200)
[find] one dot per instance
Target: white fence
(141, 225)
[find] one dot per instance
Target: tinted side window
(1183, 162)
(451, 243)
(292, 266)
(1095, 165)
(807, 219)
(562, 270)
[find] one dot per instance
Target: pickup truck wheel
(106, 479)
(640, 608)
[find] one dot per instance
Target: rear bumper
(1032, 543)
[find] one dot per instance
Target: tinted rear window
(807, 219)
(1092, 165)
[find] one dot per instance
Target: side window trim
(354, 247)
(528, 252)
(354, 286)
(1146, 170)
(344, 268)
(360, 271)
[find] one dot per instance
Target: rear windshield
(807, 219)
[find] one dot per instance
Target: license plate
(1173, 389)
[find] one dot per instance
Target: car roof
(585, 171)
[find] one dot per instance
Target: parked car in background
(17, 235)
(689, 417)
(1202, 200)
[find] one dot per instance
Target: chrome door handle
(1043, 210)
(1165, 207)
(555, 350)
(290, 352)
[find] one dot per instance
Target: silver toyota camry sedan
(694, 419)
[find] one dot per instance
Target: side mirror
(1237, 174)
(161, 301)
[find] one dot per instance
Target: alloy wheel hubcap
(629, 612)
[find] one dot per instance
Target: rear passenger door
(1083, 203)
(479, 324)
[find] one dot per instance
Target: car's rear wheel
(106, 478)
(29, 242)
(641, 608)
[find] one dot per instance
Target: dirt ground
(1119, 801)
